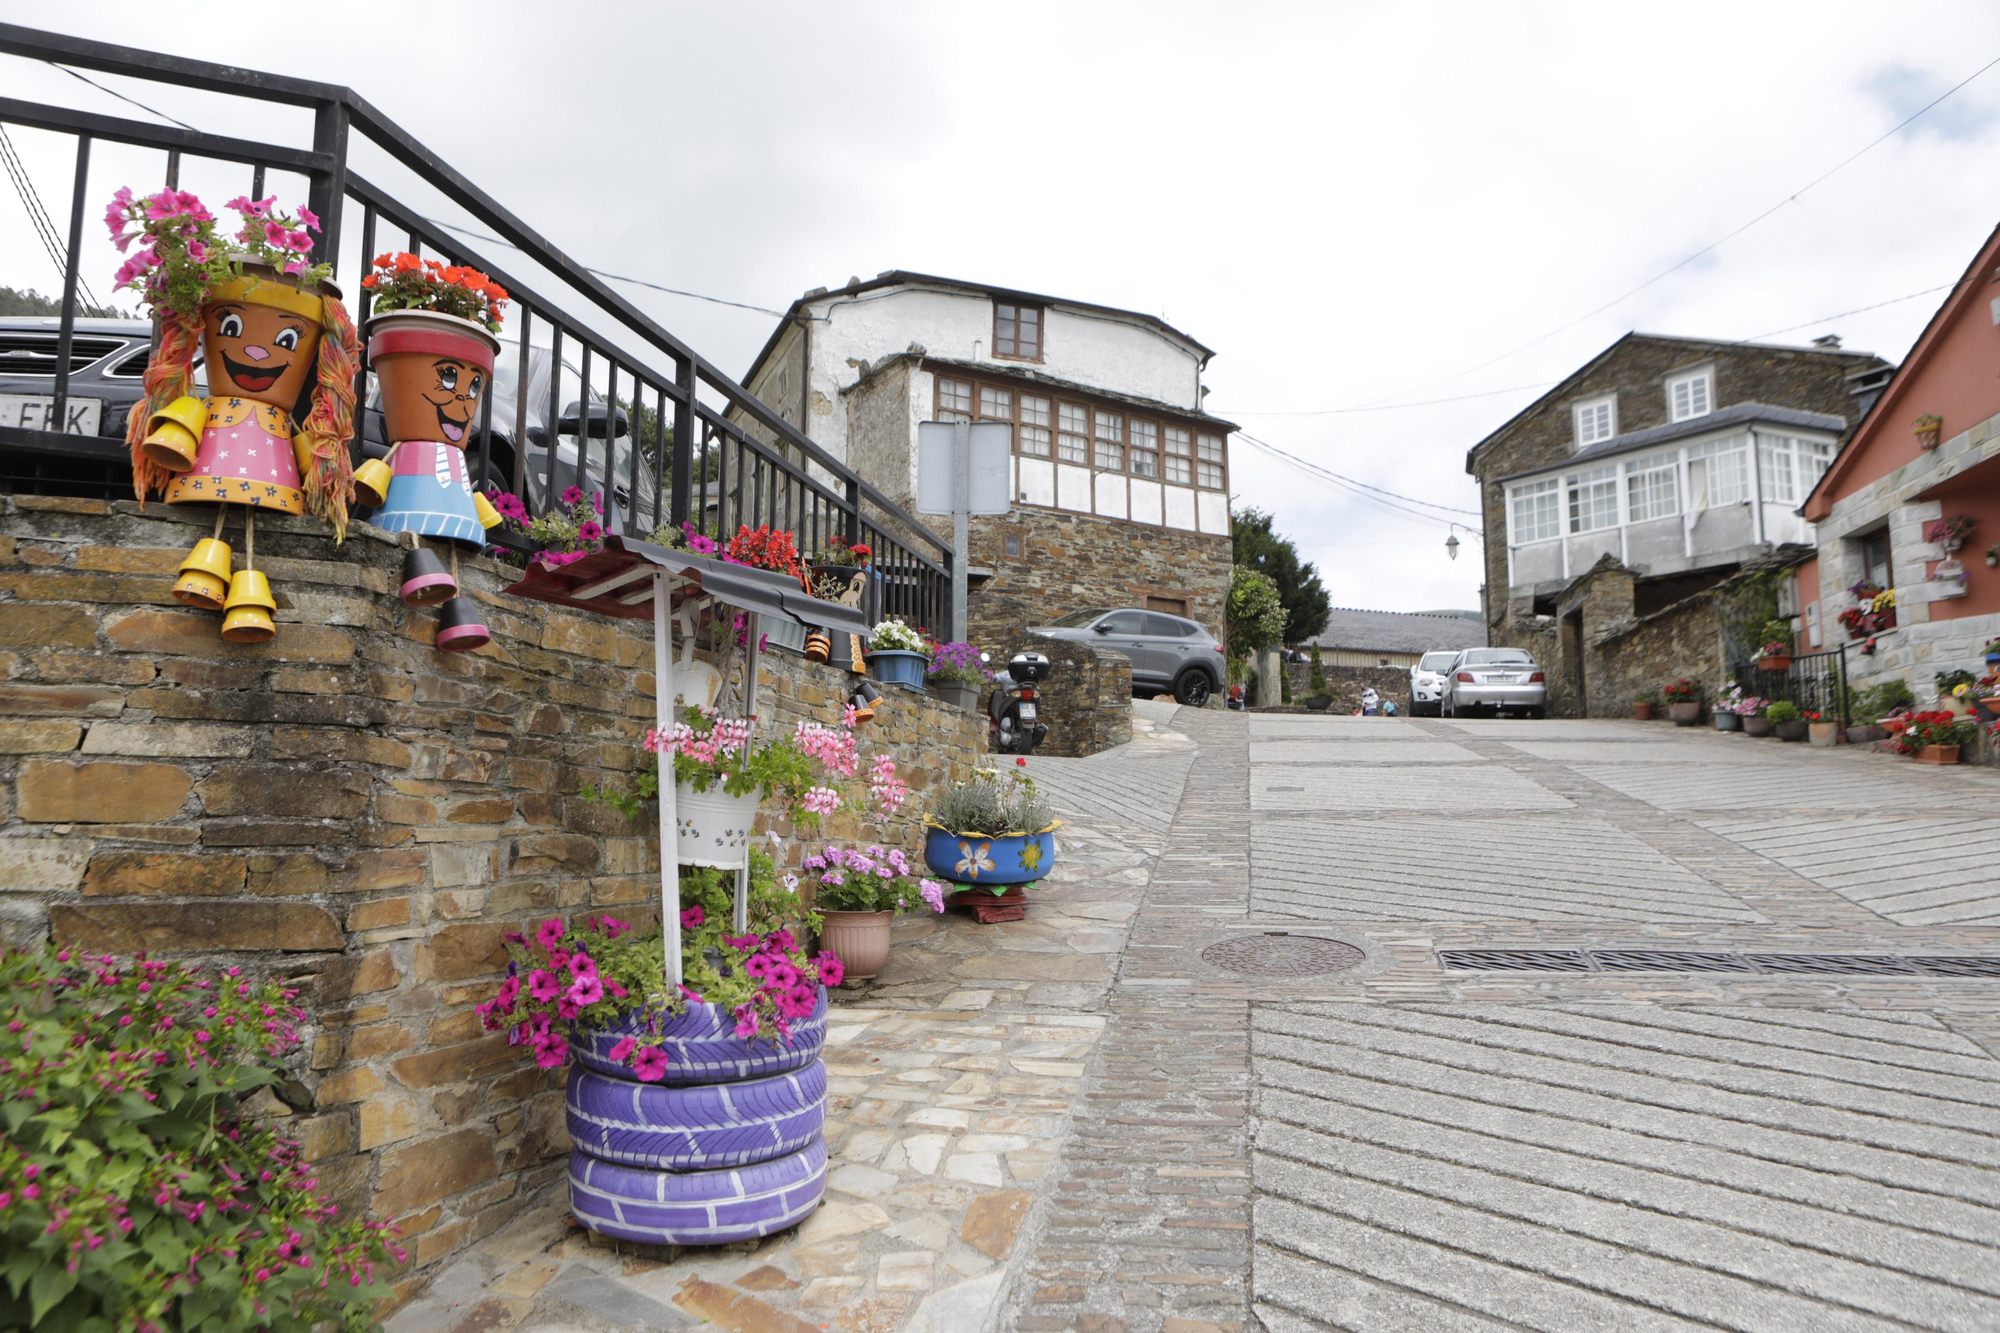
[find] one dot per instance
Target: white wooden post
(663, 720)
(753, 660)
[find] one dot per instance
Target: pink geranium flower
(650, 1064)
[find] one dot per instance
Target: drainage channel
(1958, 966)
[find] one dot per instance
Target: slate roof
(1739, 414)
(1399, 631)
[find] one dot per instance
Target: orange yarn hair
(169, 375)
(329, 475)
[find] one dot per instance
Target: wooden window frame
(1041, 331)
(1220, 462)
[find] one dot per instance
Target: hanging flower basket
(713, 828)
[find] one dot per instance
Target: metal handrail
(774, 479)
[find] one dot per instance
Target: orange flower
(408, 263)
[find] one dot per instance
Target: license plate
(1027, 712)
(1504, 680)
(33, 412)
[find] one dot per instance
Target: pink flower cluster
(833, 747)
(174, 214)
(727, 737)
(820, 801)
(887, 790)
(793, 991)
(507, 504)
(570, 982)
(287, 241)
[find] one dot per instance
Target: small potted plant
(1786, 720)
(1987, 689)
(992, 834)
(1684, 702)
(1935, 737)
(1993, 556)
(1882, 611)
(1726, 717)
(1318, 697)
(958, 674)
(1852, 620)
(1822, 731)
(1776, 652)
(858, 896)
(1928, 428)
(1756, 722)
(896, 655)
(1951, 531)
(1642, 706)
(1954, 689)
(1992, 653)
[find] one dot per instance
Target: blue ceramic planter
(896, 666)
(977, 858)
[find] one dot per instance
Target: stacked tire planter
(728, 1146)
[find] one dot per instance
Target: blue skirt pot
(983, 859)
(895, 666)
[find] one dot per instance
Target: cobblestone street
(1077, 1122)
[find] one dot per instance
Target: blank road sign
(990, 492)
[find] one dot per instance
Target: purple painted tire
(700, 1128)
(697, 1207)
(702, 1047)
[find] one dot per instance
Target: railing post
(71, 262)
(327, 189)
(677, 506)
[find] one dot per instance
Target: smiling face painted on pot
(258, 352)
(454, 395)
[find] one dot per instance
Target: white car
(1427, 679)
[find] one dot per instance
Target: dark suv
(107, 365)
(1167, 652)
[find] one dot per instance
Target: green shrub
(1316, 681)
(993, 804)
(1783, 710)
(134, 1191)
(1881, 700)
(1256, 613)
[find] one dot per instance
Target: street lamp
(1451, 546)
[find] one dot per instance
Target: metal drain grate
(1278, 954)
(1673, 960)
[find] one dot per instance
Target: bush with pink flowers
(135, 1193)
(597, 973)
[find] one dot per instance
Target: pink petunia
(543, 986)
(831, 970)
(567, 1008)
(650, 1064)
(275, 236)
(551, 1051)
(746, 1020)
(582, 965)
(780, 941)
(586, 990)
(510, 990)
(616, 990)
(623, 1050)
(614, 928)
(310, 218)
(693, 917)
(550, 933)
(782, 976)
(572, 495)
(758, 966)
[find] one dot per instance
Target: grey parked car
(107, 362)
(1495, 679)
(1167, 652)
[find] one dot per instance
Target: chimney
(1829, 341)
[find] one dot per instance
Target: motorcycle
(1012, 718)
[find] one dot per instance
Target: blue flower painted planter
(979, 858)
(897, 666)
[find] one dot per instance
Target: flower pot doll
(431, 346)
(842, 650)
(280, 353)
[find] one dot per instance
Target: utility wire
(1394, 407)
(440, 222)
(1894, 300)
(1363, 490)
(1266, 444)
(38, 215)
(1727, 236)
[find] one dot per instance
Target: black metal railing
(1816, 682)
(590, 392)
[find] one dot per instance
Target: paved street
(1079, 1122)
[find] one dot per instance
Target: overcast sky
(1356, 205)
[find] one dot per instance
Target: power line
(122, 97)
(38, 214)
(1393, 407)
(1352, 482)
(1363, 490)
(1811, 323)
(1727, 236)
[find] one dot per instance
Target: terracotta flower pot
(260, 337)
(1757, 726)
(1642, 712)
(433, 369)
(1937, 754)
(859, 939)
(1774, 663)
(1824, 734)
(1685, 714)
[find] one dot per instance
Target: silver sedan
(1495, 679)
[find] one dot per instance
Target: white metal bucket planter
(713, 828)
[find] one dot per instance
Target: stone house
(1871, 507)
(1675, 461)
(1120, 479)
(1354, 638)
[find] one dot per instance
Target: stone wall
(346, 807)
(1069, 562)
(1345, 684)
(1644, 658)
(1087, 699)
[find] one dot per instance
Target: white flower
(791, 884)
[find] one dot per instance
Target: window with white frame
(1537, 511)
(1145, 448)
(1652, 485)
(1791, 466)
(1111, 441)
(1727, 464)
(1035, 421)
(1072, 433)
(1208, 462)
(1691, 395)
(1593, 499)
(1596, 420)
(954, 400)
(1180, 449)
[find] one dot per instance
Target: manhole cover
(1280, 955)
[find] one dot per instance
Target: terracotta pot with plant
(1776, 653)
(858, 895)
(1928, 428)
(1756, 717)
(1935, 737)
(1642, 706)
(1684, 702)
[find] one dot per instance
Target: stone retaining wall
(1346, 683)
(1087, 699)
(349, 808)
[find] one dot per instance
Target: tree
(1256, 613)
(1299, 588)
(31, 302)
